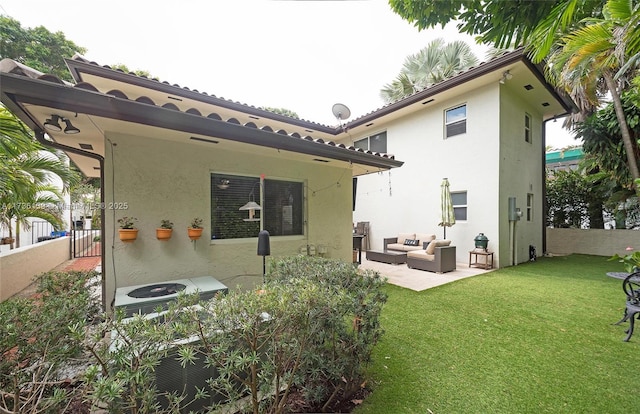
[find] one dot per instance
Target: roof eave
(19, 89)
(481, 70)
(79, 65)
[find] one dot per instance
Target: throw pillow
(408, 242)
(411, 242)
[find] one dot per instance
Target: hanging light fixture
(251, 206)
(70, 129)
(53, 123)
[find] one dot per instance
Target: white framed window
(459, 200)
(527, 128)
(455, 121)
(375, 143)
(529, 207)
(281, 202)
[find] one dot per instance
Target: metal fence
(86, 243)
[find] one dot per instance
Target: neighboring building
(167, 152)
(483, 129)
(565, 159)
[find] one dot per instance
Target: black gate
(86, 243)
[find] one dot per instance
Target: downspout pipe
(39, 134)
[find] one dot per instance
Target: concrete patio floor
(419, 280)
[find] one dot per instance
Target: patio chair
(631, 288)
(362, 228)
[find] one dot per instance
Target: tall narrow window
(459, 200)
(527, 128)
(455, 121)
(279, 206)
(529, 207)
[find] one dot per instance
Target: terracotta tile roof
(9, 66)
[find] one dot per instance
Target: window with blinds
(281, 206)
(459, 201)
(455, 121)
(375, 143)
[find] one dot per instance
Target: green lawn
(534, 338)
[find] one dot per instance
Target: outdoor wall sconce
(223, 184)
(53, 124)
(506, 75)
(251, 206)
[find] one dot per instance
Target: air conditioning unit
(147, 298)
(172, 377)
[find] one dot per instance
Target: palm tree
(26, 171)
(432, 64)
(587, 62)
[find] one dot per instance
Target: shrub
(345, 334)
(38, 338)
(311, 327)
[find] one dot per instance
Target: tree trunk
(17, 240)
(624, 128)
(11, 236)
(596, 221)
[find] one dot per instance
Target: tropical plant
(587, 61)
(434, 63)
(43, 202)
(602, 140)
(86, 196)
(630, 261)
(504, 24)
(166, 224)
(27, 174)
(196, 223)
(127, 222)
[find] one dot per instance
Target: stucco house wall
(521, 173)
(170, 180)
(407, 199)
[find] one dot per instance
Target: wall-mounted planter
(128, 235)
(194, 233)
(163, 234)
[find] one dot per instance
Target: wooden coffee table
(387, 256)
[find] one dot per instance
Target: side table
(488, 259)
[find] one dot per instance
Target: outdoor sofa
(406, 242)
(424, 252)
(439, 256)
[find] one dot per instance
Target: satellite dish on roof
(341, 112)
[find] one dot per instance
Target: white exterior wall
(521, 172)
(169, 180)
(407, 199)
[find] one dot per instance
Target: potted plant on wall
(195, 231)
(128, 232)
(165, 230)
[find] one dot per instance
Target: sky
(301, 55)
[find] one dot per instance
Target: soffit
(97, 114)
